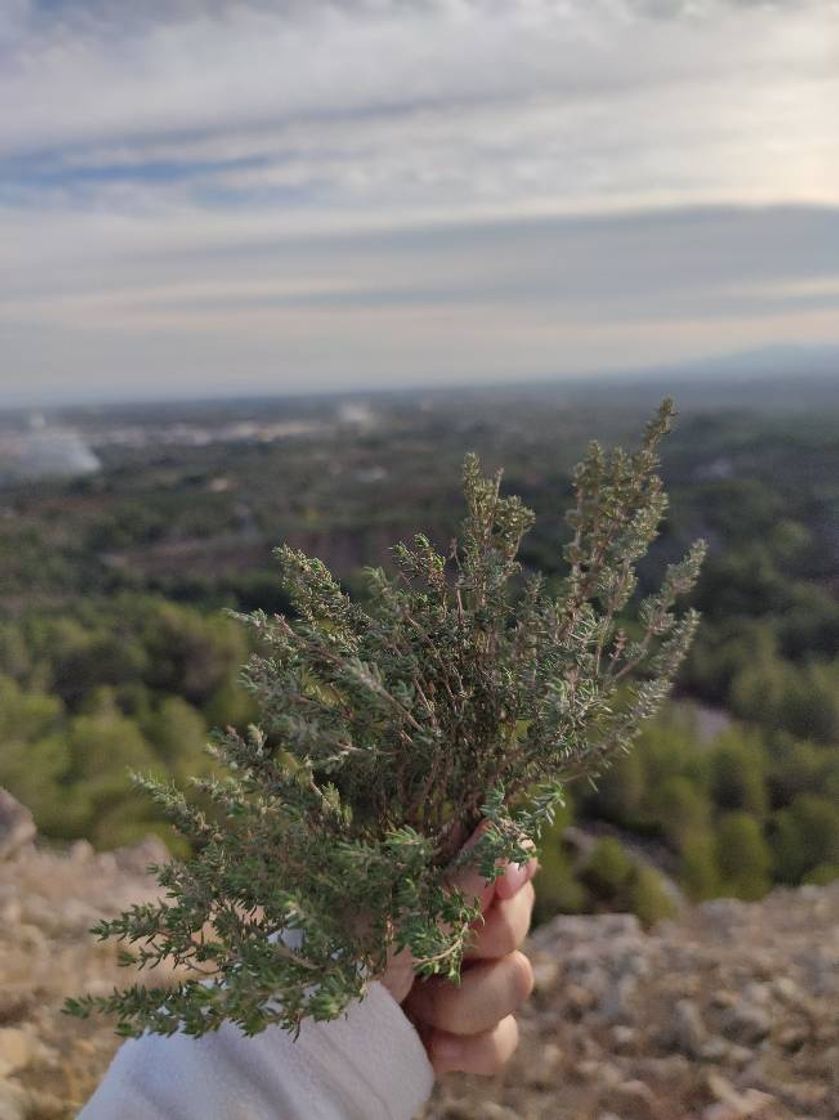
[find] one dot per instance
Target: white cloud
(198, 170)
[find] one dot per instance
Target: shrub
(608, 870)
(743, 856)
(698, 873)
(649, 899)
(460, 692)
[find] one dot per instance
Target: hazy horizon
(717, 372)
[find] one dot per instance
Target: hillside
(728, 1012)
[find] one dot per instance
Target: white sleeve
(369, 1065)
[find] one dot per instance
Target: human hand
(470, 1027)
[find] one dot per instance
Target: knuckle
(494, 1061)
(503, 1044)
(512, 1036)
(454, 1012)
(428, 1003)
(522, 975)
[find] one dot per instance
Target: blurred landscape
(125, 530)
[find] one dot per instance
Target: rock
(687, 1030)
(802, 1094)
(545, 973)
(578, 999)
(746, 1023)
(45, 1106)
(630, 959)
(752, 1103)
(81, 851)
(617, 1001)
(135, 859)
(821, 971)
(786, 990)
(17, 826)
(757, 994)
(634, 1100)
(666, 1070)
(16, 1050)
(793, 1037)
(584, 970)
(32, 939)
(106, 865)
(715, 1050)
(621, 925)
(604, 1075)
(542, 1070)
(720, 1087)
(493, 1111)
(11, 912)
(12, 1102)
(77, 917)
(15, 1001)
(732, 1105)
(624, 1038)
(739, 1056)
(723, 915)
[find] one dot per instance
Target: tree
(737, 773)
(699, 874)
(462, 691)
(608, 870)
(620, 792)
(805, 835)
(178, 735)
(648, 897)
(743, 856)
(682, 809)
(190, 655)
(558, 890)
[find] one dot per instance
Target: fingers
(398, 977)
(485, 1053)
(488, 992)
(470, 1026)
(514, 878)
(503, 927)
(468, 879)
(474, 885)
(506, 905)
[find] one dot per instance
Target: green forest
(116, 653)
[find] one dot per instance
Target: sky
(208, 197)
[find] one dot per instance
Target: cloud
(515, 299)
(196, 170)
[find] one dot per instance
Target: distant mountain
(763, 362)
(772, 378)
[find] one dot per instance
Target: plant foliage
(464, 690)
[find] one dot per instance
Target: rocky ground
(731, 1011)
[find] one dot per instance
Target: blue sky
(200, 196)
